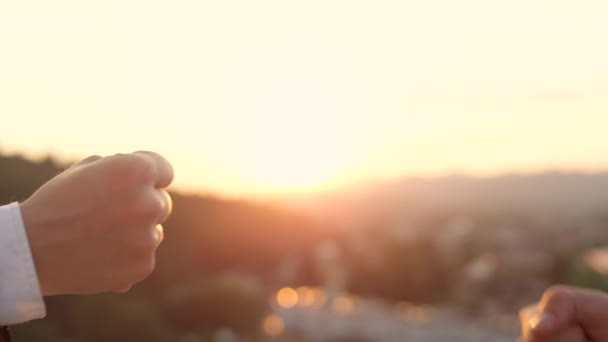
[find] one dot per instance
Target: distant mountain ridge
(555, 194)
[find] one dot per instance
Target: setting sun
(293, 138)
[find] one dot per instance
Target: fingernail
(542, 322)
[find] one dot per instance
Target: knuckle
(167, 205)
(133, 167)
(86, 161)
(144, 247)
(159, 235)
(168, 172)
(151, 154)
(557, 293)
(557, 298)
(148, 243)
(151, 207)
(92, 158)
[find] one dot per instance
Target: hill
(554, 195)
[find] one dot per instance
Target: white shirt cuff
(20, 296)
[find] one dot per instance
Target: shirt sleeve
(20, 296)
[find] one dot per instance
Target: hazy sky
(255, 96)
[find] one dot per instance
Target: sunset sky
(250, 97)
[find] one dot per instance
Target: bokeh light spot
(273, 325)
(287, 297)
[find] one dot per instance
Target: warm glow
(418, 314)
(273, 325)
(292, 138)
(287, 298)
(597, 259)
(307, 296)
(343, 305)
(403, 308)
(258, 97)
(320, 298)
(311, 297)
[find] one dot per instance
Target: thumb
(554, 311)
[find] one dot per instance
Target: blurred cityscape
(451, 259)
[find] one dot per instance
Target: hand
(566, 314)
(529, 317)
(96, 226)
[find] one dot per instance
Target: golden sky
(273, 96)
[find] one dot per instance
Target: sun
(294, 139)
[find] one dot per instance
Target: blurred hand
(529, 317)
(96, 226)
(566, 314)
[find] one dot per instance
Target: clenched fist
(96, 226)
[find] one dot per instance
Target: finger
(556, 310)
(164, 172)
(87, 160)
(590, 312)
(167, 204)
(571, 334)
(525, 315)
(148, 239)
(159, 234)
(562, 306)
